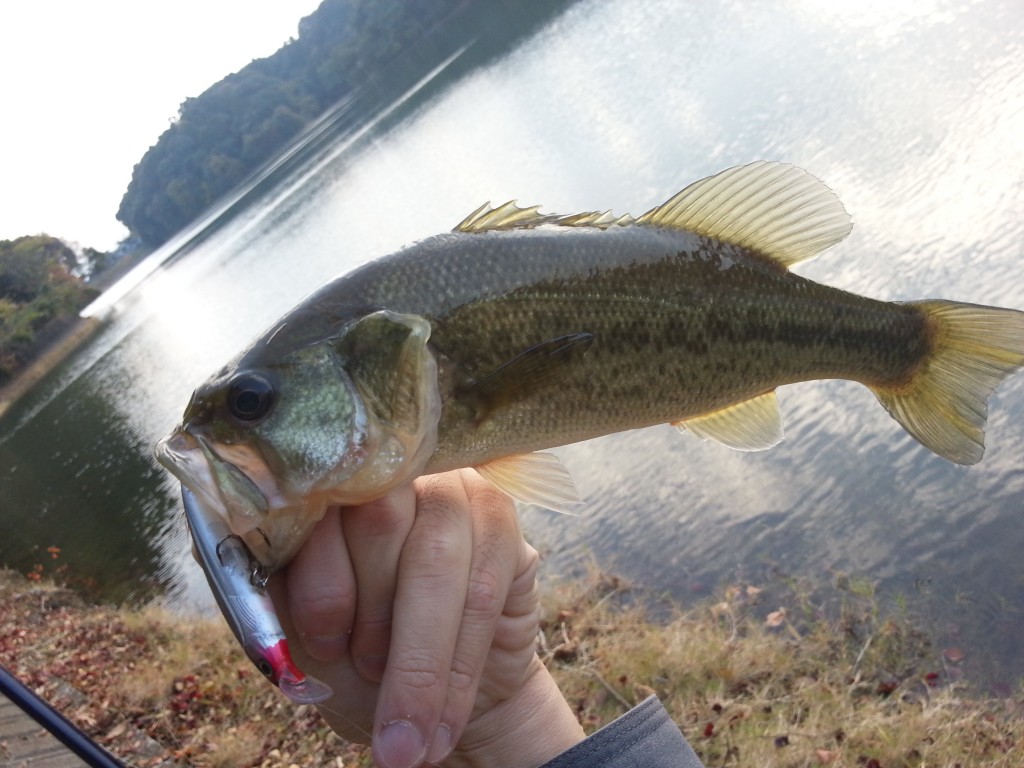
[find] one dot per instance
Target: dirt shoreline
(53, 355)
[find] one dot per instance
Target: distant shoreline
(80, 331)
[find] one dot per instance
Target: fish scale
(655, 306)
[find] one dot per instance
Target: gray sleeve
(644, 736)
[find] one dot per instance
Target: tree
(39, 287)
(374, 48)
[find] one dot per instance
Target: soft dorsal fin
(511, 216)
(776, 209)
(752, 425)
(535, 478)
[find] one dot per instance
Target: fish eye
(250, 398)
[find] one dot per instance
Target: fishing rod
(63, 729)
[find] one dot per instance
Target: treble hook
(258, 575)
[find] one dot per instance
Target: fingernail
(399, 745)
(325, 647)
(441, 744)
(372, 667)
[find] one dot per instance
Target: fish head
(279, 434)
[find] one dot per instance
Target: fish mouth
(194, 461)
(234, 481)
(182, 455)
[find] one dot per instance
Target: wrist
(524, 731)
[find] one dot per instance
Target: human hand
(420, 610)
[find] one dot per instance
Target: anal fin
(752, 425)
(534, 478)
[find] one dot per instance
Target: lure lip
(237, 581)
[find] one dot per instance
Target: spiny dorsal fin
(535, 478)
(599, 219)
(753, 425)
(775, 209)
(511, 216)
(506, 216)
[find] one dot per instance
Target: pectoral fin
(535, 478)
(529, 372)
(753, 425)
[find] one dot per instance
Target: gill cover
(352, 416)
(392, 368)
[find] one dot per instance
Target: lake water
(912, 112)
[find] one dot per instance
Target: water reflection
(911, 112)
(100, 500)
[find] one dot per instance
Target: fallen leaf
(117, 730)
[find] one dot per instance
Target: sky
(88, 87)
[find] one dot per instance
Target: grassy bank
(787, 687)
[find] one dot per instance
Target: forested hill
(371, 47)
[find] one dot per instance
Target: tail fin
(945, 405)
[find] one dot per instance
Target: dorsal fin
(778, 210)
(506, 216)
(751, 425)
(511, 216)
(599, 219)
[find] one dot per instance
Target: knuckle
(385, 517)
(462, 678)
(484, 496)
(434, 489)
(484, 595)
(419, 672)
(443, 551)
(437, 548)
(371, 635)
(325, 603)
(372, 628)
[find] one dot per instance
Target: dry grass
(154, 688)
(748, 685)
(787, 687)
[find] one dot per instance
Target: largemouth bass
(521, 331)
